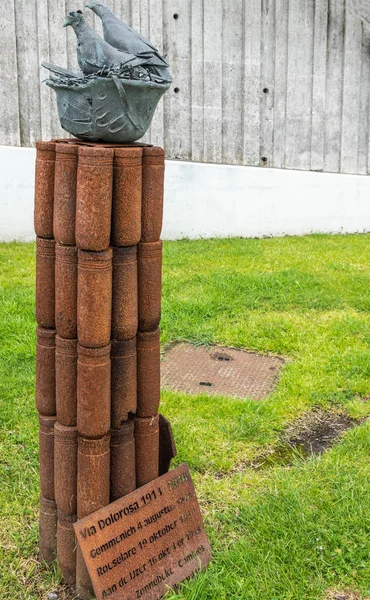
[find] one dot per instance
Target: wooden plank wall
(276, 83)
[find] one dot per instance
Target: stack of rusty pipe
(98, 221)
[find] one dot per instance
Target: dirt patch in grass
(318, 430)
(310, 435)
(340, 595)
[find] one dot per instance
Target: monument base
(99, 297)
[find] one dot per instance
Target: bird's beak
(89, 6)
(66, 23)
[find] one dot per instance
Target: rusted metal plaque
(146, 542)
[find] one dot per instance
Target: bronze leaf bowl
(111, 109)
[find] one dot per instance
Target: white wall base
(17, 175)
(205, 200)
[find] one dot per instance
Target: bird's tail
(60, 70)
(154, 58)
(135, 61)
(161, 74)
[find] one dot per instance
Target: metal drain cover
(219, 371)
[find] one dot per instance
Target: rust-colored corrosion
(44, 189)
(46, 438)
(124, 380)
(66, 381)
(165, 541)
(93, 478)
(94, 299)
(66, 547)
(65, 468)
(146, 449)
(101, 195)
(127, 190)
(84, 586)
(122, 461)
(66, 291)
(150, 285)
(153, 189)
(93, 391)
(45, 371)
(93, 492)
(45, 282)
(94, 197)
(47, 530)
(148, 373)
(65, 193)
(125, 293)
(167, 445)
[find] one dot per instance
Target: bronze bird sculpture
(121, 36)
(114, 97)
(94, 53)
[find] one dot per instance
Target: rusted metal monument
(98, 221)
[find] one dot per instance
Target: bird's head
(73, 19)
(98, 8)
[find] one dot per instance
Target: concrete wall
(215, 200)
(275, 83)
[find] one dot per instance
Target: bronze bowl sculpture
(112, 108)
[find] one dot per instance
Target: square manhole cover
(219, 371)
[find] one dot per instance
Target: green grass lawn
(282, 533)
